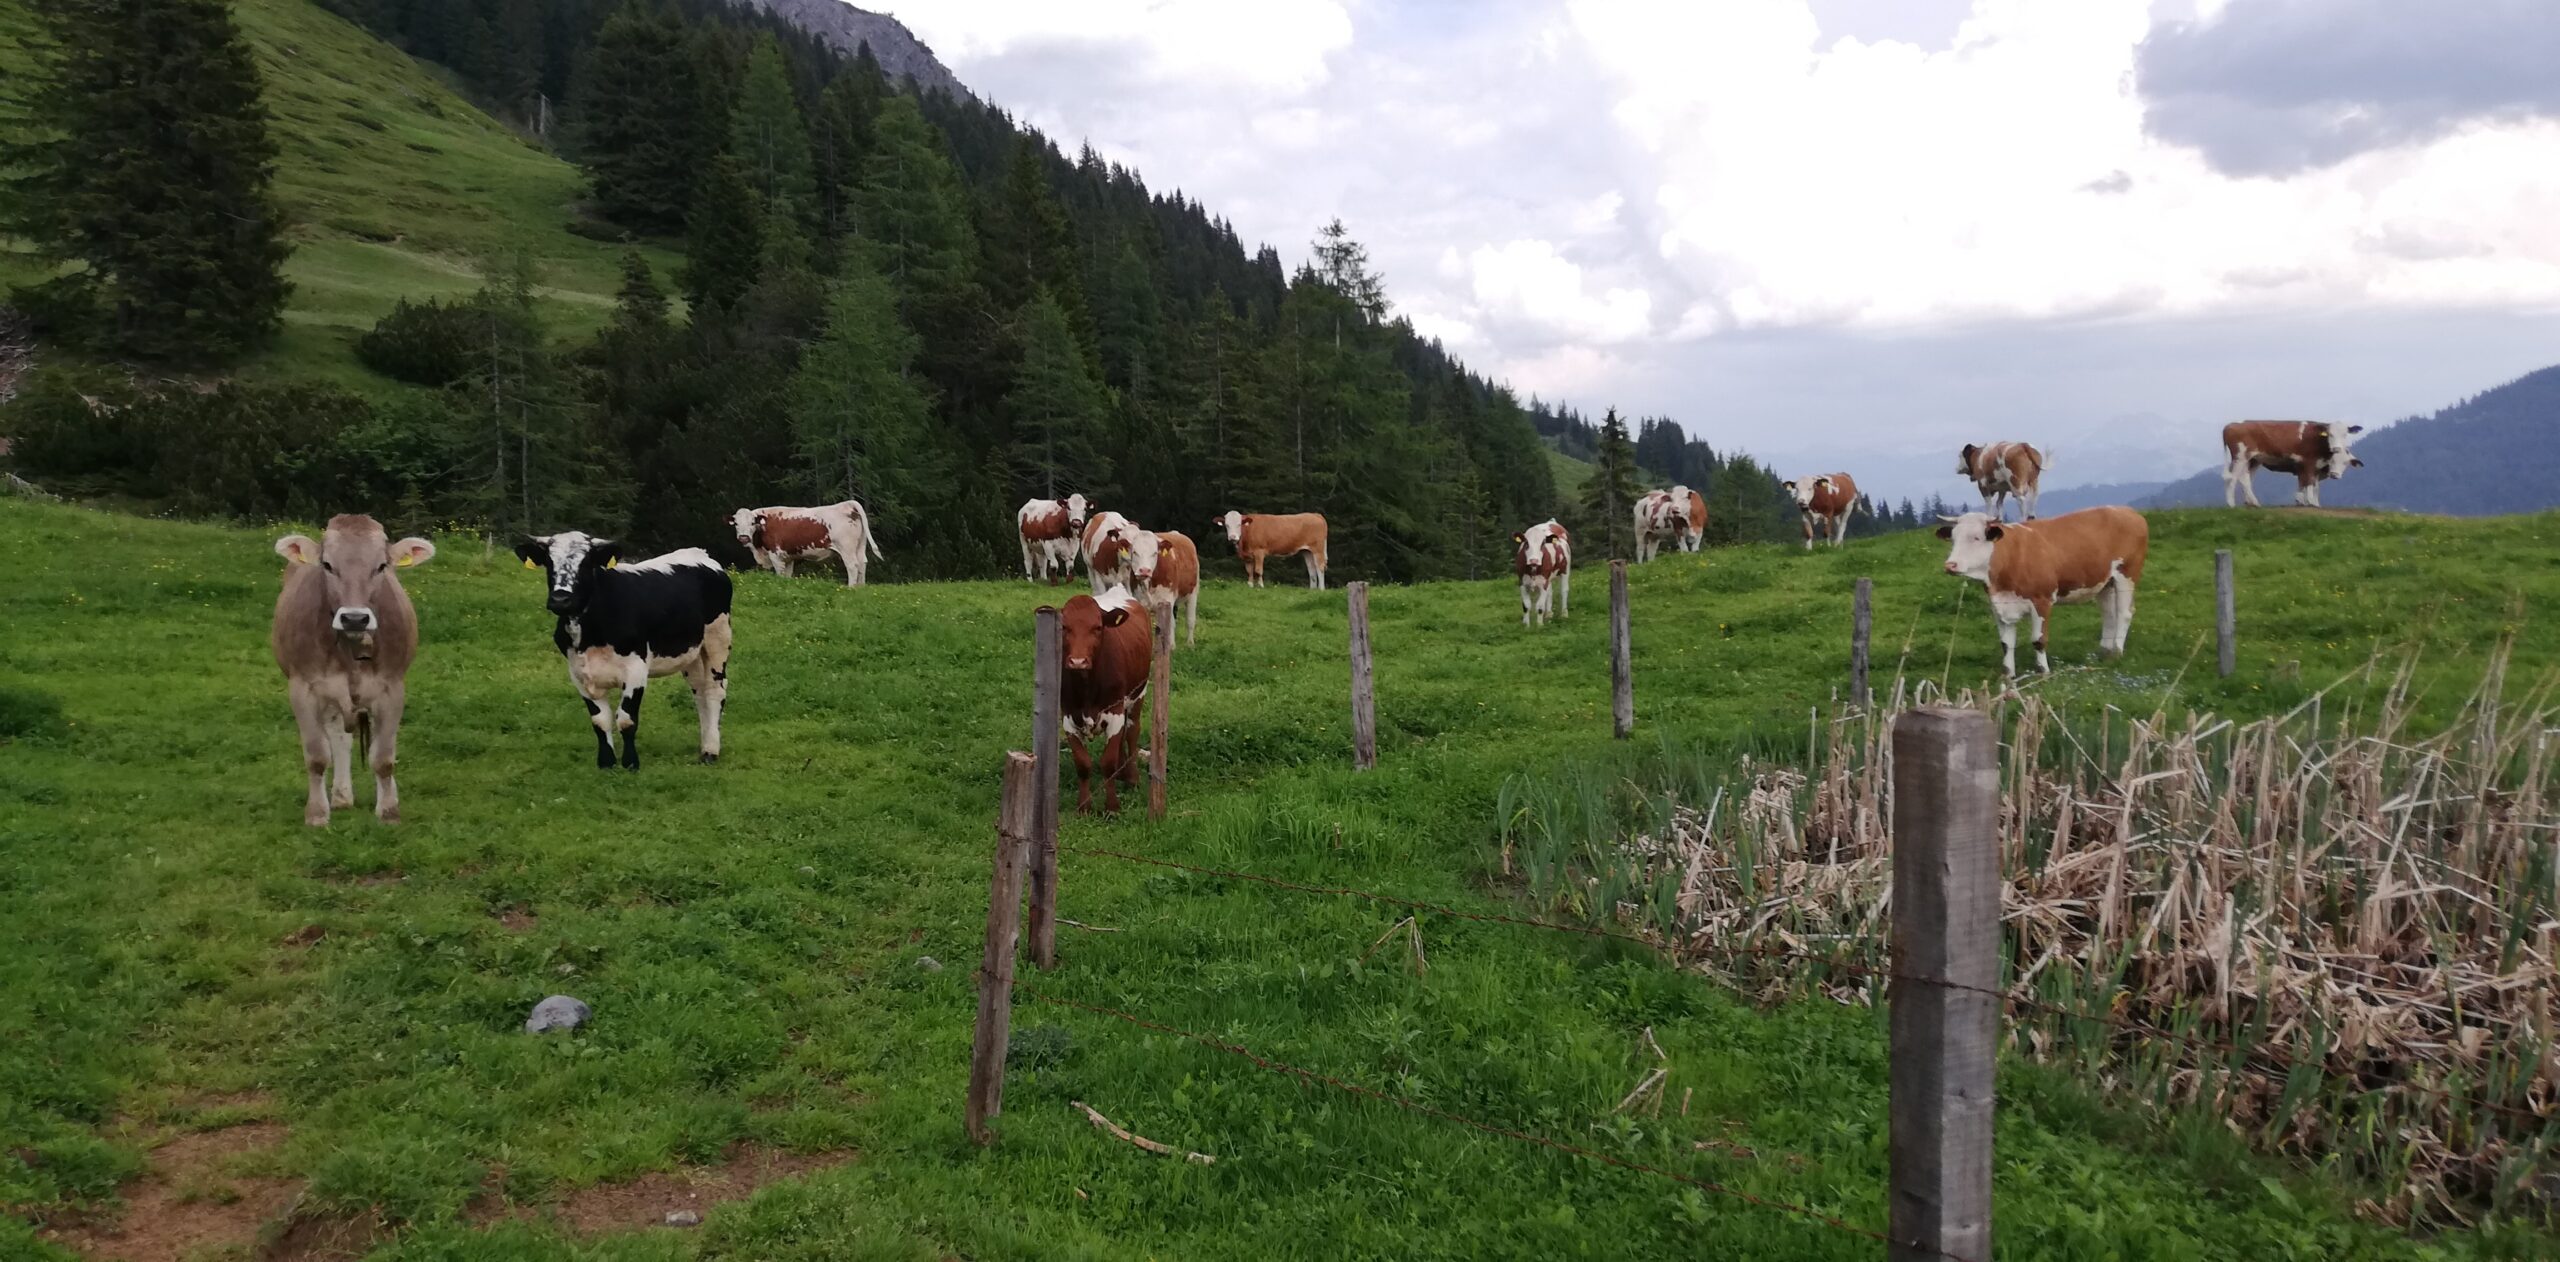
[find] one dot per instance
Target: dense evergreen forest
(906, 298)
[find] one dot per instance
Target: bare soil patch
(646, 1201)
(195, 1197)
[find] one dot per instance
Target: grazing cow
(345, 634)
(622, 625)
(1543, 558)
(1165, 565)
(2311, 451)
(1051, 532)
(2003, 470)
(1106, 550)
(1829, 500)
(783, 537)
(1677, 516)
(2094, 554)
(1258, 538)
(1107, 647)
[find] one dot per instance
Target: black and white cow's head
(572, 560)
(1965, 461)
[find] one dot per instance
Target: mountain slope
(2066, 499)
(2496, 452)
(895, 47)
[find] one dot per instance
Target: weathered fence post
(1945, 1004)
(2226, 612)
(995, 967)
(1364, 700)
(1158, 702)
(1622, 669)
(1045, 664)
(1861, 623)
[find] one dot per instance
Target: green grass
(1570, 474)
(395, 187)
(749, 934)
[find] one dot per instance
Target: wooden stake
(1861, 624)
(995, 966)
(1160, 688)
(1945, 1006)
(1364, 700)
(2226, 612)
(1046, 664)
(1622, 667)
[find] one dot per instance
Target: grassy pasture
(177, 951)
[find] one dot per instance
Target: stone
(684, 1218)
(559, 1012)
(928, 964)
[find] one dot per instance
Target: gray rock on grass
(559, 1012)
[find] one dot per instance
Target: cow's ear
(298, 549)
(412, 551)
(2355, 429)
(2355, 462)
(1114, 617)
(1946, 532)
(1992, 533)
(533, 550)
(606, 553)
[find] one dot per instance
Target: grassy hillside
(396, 187)
(178, 954)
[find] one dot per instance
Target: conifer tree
(639, 303)
(860, 414)
(1057, 409)
(1343, 264)
(767, 135)
(1609, 498)
(839, 140)
(724, 240)
(145, 156)
(636, 130)
(914, 214)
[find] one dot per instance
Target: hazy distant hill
(2496, 452)
(847, 28)
(2068, 499)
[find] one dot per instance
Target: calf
(622, 625)
(1543, 558)
(1259, 538)
(1051, 532)
(2003, 470)
(1106, 550)
(781, 537)
(1829, 500)
(345, 634)
(1107, 649)
(2312, 451)
(1166, 567)
(2094, 554)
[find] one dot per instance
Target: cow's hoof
(391, 816)
(708, 759)
(337, 803)
(630, 764)
(316, 819)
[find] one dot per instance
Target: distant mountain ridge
(2069, 499)
(896, 48)
(2495, 452)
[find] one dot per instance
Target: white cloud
(1278, 46)
(1529, 283)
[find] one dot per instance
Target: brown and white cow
(781, 537)
(345, 634)
(2094, 554)
(1677, 516)
(1542, 556)
(1828, 499)
(1106, 550)
(1258, 537)
(1052, 532)
(1107, 649)
(2004, 470)
(2312, 451)
(1165, 567)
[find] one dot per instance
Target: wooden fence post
(1045, 665)
(2226, 612)
(1364, 699)
(1945, 1003)
(1622, 669)
(995, 967)
(1158, 702)
(1861, 623)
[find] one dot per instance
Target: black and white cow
(622, 624)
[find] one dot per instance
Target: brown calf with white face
(1828, 499)
(2002, 470)
(2312, 451)
(345, 634)
(2094, 554)
(1164, 567)
(1542, 556)
(1107, 650)
(1258, 537)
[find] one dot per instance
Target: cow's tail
(870, 537)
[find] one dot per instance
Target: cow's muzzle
(1079, 663)
(1951, 568)
(354, 620)
(562, 602)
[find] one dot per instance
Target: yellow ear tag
(610, 562)
(528, 564)
(406, 562)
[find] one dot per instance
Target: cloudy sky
(1858, 233)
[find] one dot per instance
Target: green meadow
(178, 953)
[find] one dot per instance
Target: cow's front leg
(711, 684)
(1084, 775)
(1524, 604)
(385, 753)
(2306, 491)
(635, 686)
(600, 716)
(2037, 616)
(315, 757)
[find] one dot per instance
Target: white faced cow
(345, 634)
(781, 537)
(1826, 503)
(622, 625)
(1052, 531)
(1543, 558)
(2312, 451)
(1106, 550)
(2094, 554)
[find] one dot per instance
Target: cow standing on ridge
(2003, 470)
(2312, 451)
(2094, 554)
(622, 625)
(345, 634)
(1542, 556)
(1827, 500)
(1107, 650)
(1052, 531)
(1258, 538)
(780, 537)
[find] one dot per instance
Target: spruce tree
(1609, 498)
(145, 156)
(913, 212)
(640, 304)
(724, 240)
(767, 135)
(636, 131)
(860, 414)
(1057, 409)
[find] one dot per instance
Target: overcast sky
(1855, 234)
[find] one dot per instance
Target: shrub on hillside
(431, 343)
(76, 431)
(261, 451)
